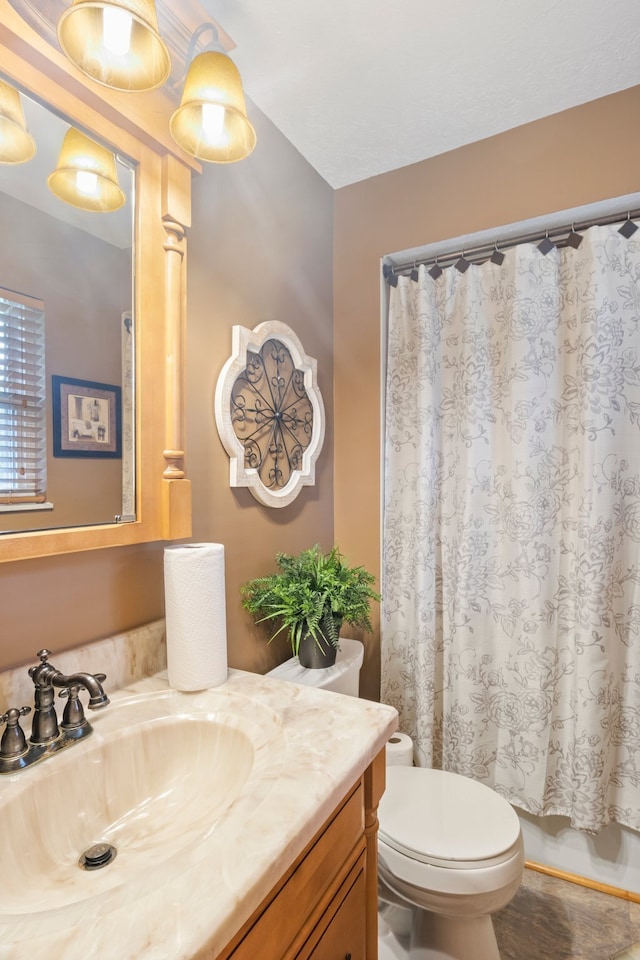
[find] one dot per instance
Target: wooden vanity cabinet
(342, 933)
(325, 907)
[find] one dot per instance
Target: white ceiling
(361, 87)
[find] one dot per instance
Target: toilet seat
(446, 820)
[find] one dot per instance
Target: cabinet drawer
(288, 917)
(344, 934)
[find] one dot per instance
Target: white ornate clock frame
(269, 413)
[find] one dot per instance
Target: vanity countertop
(327, 741)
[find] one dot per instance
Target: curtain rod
(562, 236)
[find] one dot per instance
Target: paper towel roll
(399, 751)
(195, 610)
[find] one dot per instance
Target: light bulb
(213, 116)
(116, 30)
(87, 183)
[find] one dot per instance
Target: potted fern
(309, 598)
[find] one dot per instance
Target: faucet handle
(73, 717)
(74, 711)
(43, 655)
(14, 742)
(13, 713)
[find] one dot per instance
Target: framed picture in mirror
(87, 418)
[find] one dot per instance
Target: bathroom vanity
(244, 819)
(320, 909)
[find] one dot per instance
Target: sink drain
(98, 856)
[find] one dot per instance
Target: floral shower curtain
(511, 543)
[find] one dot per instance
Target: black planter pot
(316, 654)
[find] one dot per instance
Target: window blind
(23, 442)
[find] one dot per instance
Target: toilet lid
(445, 819)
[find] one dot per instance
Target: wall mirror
(111, 287)
(68, 273)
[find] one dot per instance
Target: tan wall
(260, 248)
(576, 157)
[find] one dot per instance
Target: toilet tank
(342, 677)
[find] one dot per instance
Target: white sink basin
(156, 778)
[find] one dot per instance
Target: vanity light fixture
(211, 122)
(116, 42)
(16, 143)
(86, 175)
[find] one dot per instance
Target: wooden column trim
(374, 784)
(174, 247)
(176, 218)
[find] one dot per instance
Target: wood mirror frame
(137, 125)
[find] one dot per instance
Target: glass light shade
(16, 143)
(134, 62)
(86, 175)
(211, 122)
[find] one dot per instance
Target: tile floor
(552, 919)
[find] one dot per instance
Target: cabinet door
(344, 938)
(306, 901)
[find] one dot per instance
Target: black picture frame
(87, 418)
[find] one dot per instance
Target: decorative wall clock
(269, 413)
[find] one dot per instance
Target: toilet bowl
(450, 849)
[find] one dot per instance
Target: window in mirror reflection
(23, 447)
(79, 263)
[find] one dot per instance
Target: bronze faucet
(47, 737)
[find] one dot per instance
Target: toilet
(342, 677)
(450, 850)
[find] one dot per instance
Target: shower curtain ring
(497, 256)
(436, 270)
(574, 239)
(462, 264)
(628, 228)
(546, 245)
